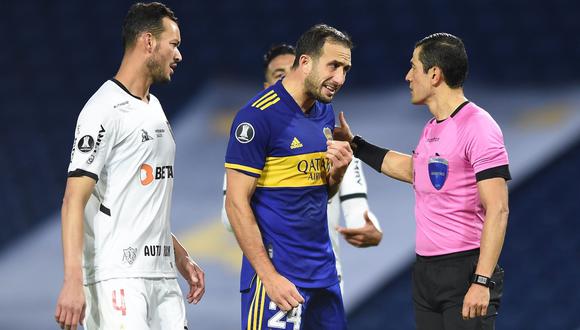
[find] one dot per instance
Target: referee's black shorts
(439, 286)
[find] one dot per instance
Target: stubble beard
(313, 88)
(156, 70)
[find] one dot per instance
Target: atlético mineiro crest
(145, 136)
(129, 255)
(438, 171)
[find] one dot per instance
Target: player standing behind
(280, 171)
(459, 171)
(363, 230)
(116, 209)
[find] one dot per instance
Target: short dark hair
(312, 41)
(145, 17)
(275, 51)
(447, 52)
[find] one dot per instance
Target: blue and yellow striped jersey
(273, 140)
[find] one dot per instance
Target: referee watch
(483, 280)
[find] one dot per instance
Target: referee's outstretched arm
(394, 164)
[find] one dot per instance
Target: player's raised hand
(343, 132)
(282, 292)
(365, 236)
(194, 276)
(70, 307)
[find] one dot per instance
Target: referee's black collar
(126, 90)
(454, 112)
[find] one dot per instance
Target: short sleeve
(248, 143)
(353, 197)
(353, 184)
(94, 139)
(486, 148)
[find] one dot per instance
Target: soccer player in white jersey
(120, 258)
(362, 227)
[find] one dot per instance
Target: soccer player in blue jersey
(281, 168)
(362, 228)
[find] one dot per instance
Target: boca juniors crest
(438, 171)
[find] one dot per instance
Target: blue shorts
(322, 310)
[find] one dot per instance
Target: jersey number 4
(121, 307)
(294, 317)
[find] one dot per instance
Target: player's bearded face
(328, 72)
(314, 86)
(165, 56)
(156, 68)
(319, 87)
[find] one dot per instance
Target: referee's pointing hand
(343, 132)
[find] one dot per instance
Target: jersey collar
(126, 90)
(454, 112)
(289, 100)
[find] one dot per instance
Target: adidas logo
(296, 144)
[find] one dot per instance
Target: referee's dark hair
(275, 51)
(312, 41)
(145, 17)
(447, 52)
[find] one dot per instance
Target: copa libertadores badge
(86, 143)
(245, 133)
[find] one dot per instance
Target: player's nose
(339, 78)
(177, 58)
(408, 76)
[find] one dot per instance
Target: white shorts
(135, 303)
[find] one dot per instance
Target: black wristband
(483, 280)
(369, 153)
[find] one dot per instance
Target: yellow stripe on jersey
(274, 101)
(262, 301)
(266, 100)
(255, 325)
(250, 327)
(306, 170)
(262, 98)
(243, 168)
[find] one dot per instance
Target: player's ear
(148, 41)
(306, 63)
(435, 75)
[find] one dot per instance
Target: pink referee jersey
(450, 158)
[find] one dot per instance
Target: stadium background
(524, 70)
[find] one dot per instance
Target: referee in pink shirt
(458, 171)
